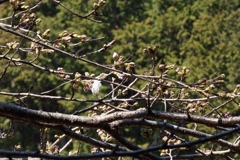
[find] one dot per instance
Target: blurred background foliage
(201, 35)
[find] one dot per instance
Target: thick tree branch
(28, 115)
(171, 127)
(87, 139)
(125, 142)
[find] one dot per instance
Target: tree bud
(115, 56)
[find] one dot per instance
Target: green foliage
(198, 35)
